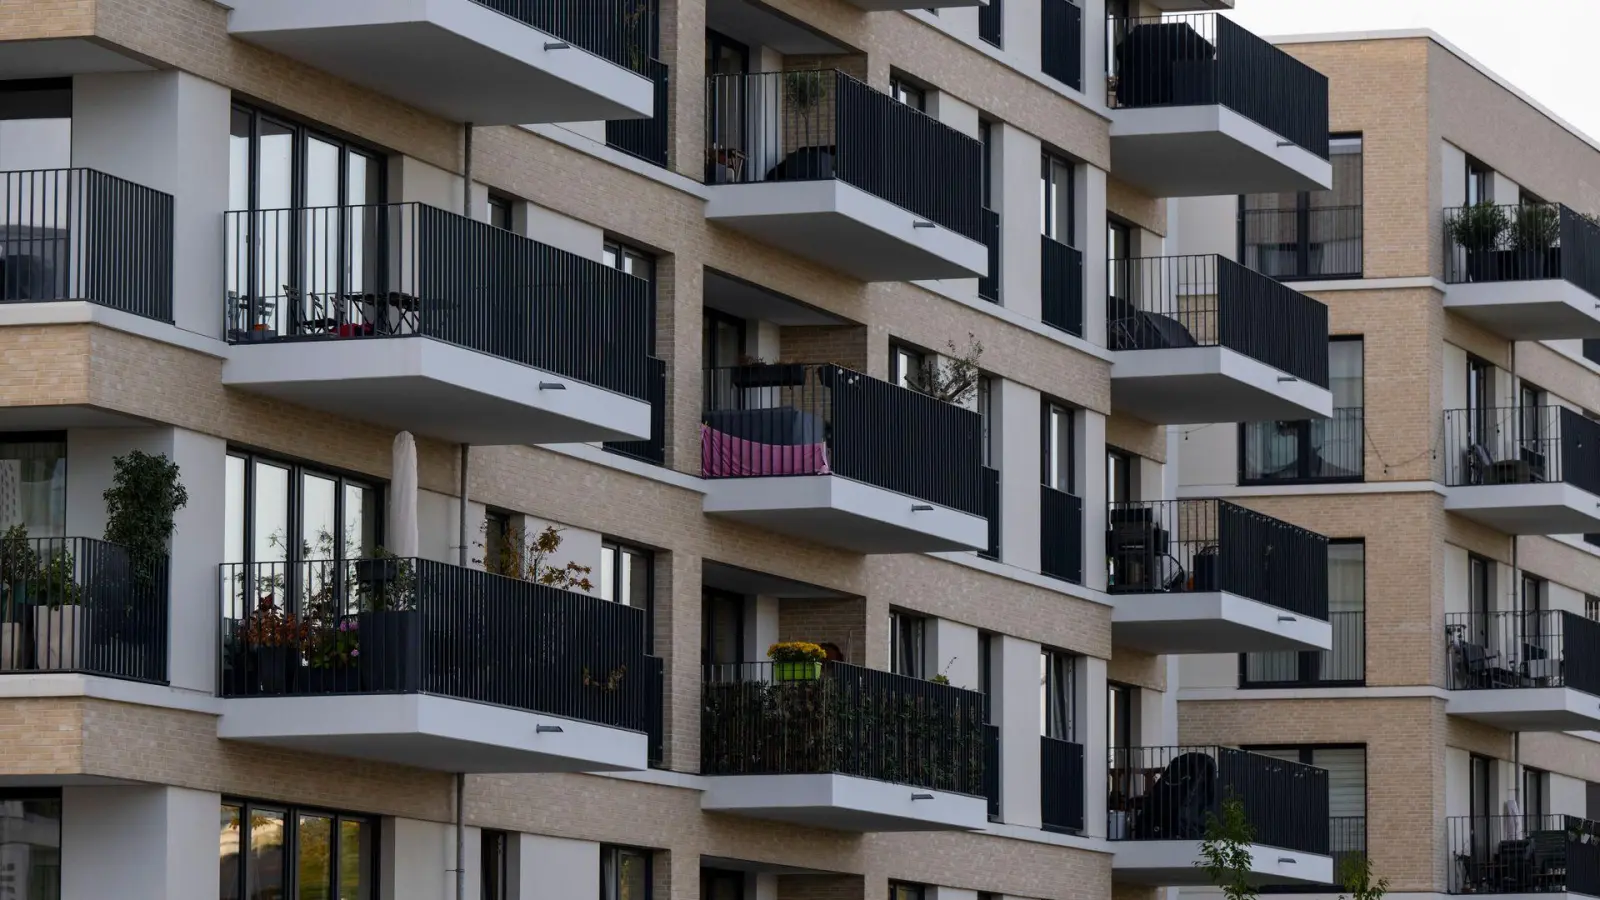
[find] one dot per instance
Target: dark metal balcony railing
(991, 22)
(1310, 243)
(1171, 302)
(1523, 855)
(1521, 445)
(1343, 666)
(1347, 837)
(646, 138)
(1061, 286)
(78, 234)
(1166, 793)
(1061, 41)
(1204, 58)
(1307, 451)
(1061, 784)
(991, 769)
(835, 718)
(390, 625)
(822, 125)
(991, 511)
(780, 419)
(409, 269)
(1527, 242)
(1180, 546)
(654, 449)
(989, 285)
(82, 605)
(1060, 534)
(1508, 650)
(622, 31)
(657, 730)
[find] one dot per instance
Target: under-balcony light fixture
(922, 507)
(557, 45)
(921, 796)
(1287, 859)
(1287, 619)
(921, 224)
(1283, 378)
(548, 729)
(1286, 143)
(551, 386)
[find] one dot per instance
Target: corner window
(30, 832)
(1314, 450)
(1345, 664)
(986, 416)
(624, 873)
(640, 264)
(908, 641)
(1309, 234)
(272, 851)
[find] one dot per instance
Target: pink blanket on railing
(724, 456)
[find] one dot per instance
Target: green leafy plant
(334, 647)
(1535, 226)
(943, 675)
(953, 379)
(1478, 227)
(1356, 877)
(528, 559)
(804, 92)
(19, 563)
(141, 507)
(57, 583)
(1225, 851)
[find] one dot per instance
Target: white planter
(57, 636)
(12, 655)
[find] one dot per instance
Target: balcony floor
(432, 733)
(1201, 385)
(1211, 622)
(435, 389)
(844, 803)
(1172, 864)
(1549, 309)
(1528, 709)
(845, 228)
(455, 58)
(1545, 508)
(1205, 151)
(848, 514)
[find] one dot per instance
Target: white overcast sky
(1546, 48)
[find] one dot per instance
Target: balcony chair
(1482, 468)
(1140, 552)
(1475, 668)
(1131, 328)
(1164, 64)
(1175, 807)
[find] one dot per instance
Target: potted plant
(141, 515)
(388, 624)
(1535, 232)
(1477, 230)
(271, 639)
(333, 654)
(19, 565)
(59, 628)
(796, 661)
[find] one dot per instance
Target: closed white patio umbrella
(402, 539)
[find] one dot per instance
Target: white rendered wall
(1016, 712)
(1016, 199)
(558, 869)
(953, 652)
(137, 842)
(1018, 452)
(418, 859)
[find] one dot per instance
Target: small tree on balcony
(954, 378)
(141, 508)
(1356, 877)
(519, 556)
(1225, 851)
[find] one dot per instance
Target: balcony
(991, 512)
(1524, 671)
(1201, 339)
(425, 664)
(1343, 666)
(1061, 785)
(836, 457)
(1551, 854)
(488, 62)
(78, 234)
(819, 164)
(989, 285)
(84, 606)
(417, 319)
(1523, 470)
(832, 745)
(1060, 534)
(1527, 273)
(1202, 107)
(1160, 798)
(1310, 451)
(892, 5)
(1208, 576)
(1061, 285)
(1305, 243)
(1347, 837)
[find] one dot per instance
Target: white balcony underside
(1201, 385)
(454, 58)
(1528, 709)
(1542, 508)
(844, 803)
(892, 5)
(62, 58)
(1549, 309)
(432, 732)
(1208, 150)
(436, 389)
(1211, 622)
(843, 513)
(1172, 864)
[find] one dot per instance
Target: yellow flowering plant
(796, 651)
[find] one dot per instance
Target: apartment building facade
(700, 284)
(1454, 712)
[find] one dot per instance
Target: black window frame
(904, 90)
(1308, 671)
(1058, 690)
(642, 555)
(494, 864)
(1119, 461)
(984, 401)
(502, 209)
(302, 132)
(735, 601)
(899, 353)
(1302, 430)
(615, 852)
(709, 319)
(710, 877)
(291, 830)
(1051, 200)
(908, 643)
(1479, 181)
(1302, 210)
(1048, 408)
(621, 255)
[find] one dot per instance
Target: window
(1309, 235)
(906, 366)
(272, 851)
(627, 576)
(1480, 597)
(1119, 246)
(1057, 673)
(1535, 790)
(500, 212)
(986, 645)
(722, 339)
(1119, 476)
(494, 871)
(721, 884)
(1345, 664)
(1346, 766)
(624, 873)
(725, 56)
(1480, 183)
(1314, 450)
(1057, 439)
(1530, 397)
(722, 628)
(640, 264)
(1119, 715)
(903, 890)
(1591, 606)
(1056, 199)
(33, 483)
(1480, 400)
(35, 124)
(908, 93)
(30, 832)
(908, 635)
(501, 554)
(986, 414)
(1116, 11)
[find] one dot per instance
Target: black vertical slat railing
(1060, 534)
(646, 138)
(653, 450)
(1527, 854)
(1521, 445)
(79, 234)
(822, 124)
(657, 730)
(991, 769)
(624, 32)
(1521, 242)
(402, 625)
(72, 604)
(1167, 793)
(408, 269)
(1061, 285)
(1061, 784)
(1347, 838)
(1517, 649)
(1171, 302)
(835, 718)
(1196, 59)
(991, 511)
(1159, 546)
(769, 420)
(989, 285)
(1343, 666)
(1061, 41)
(991, 22)
(1305, 451)
(1307, 243)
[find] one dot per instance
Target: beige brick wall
(842, 623)
(821, 887)
(844, 345)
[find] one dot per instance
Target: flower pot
(805, 670)
(330, 679)
(274, 669)
(391, 651)
(58, 636)
(377, 571)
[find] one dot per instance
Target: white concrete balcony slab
(1549, 309)
(1523, 470)
(1200, 151)
(1212, 622)
(844, 803)
(892, 5)
(1550, 291)
(464, 60)
(1173, 864)
(851, 515)
(1524, 671)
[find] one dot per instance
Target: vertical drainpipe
(461, 552)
